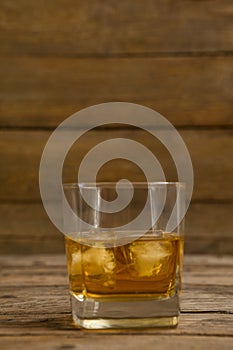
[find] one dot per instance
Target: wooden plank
(126, 27)
(43, 92)
(58, 325)
(209, 228)
(31, 244)
(26, 229)
(115, 342)
(41, 308)
(51, 260)
(40, 313)
(210, 151)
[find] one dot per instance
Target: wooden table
(35, 309)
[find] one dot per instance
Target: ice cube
(148, 257)
(76, 268)
(100, 262)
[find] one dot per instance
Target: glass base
(161, 322)
(96, 313)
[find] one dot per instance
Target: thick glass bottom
(127, 323)
(96, 313)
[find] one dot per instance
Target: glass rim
(110, 184)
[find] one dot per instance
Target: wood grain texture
(38, 92)
(57, 324)
(126, 27)
(210, 152)
(35, 308)
(115, 342)
(26, 229)
(59, 56)
(208, 228)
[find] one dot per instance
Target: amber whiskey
(147, 267)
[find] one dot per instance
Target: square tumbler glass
(124, 247)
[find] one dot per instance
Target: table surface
(35, 309)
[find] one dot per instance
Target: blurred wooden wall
(59, 56)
